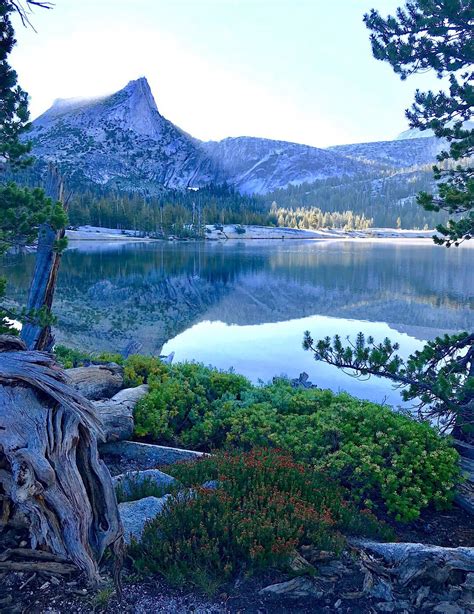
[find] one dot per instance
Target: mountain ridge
(122, 141)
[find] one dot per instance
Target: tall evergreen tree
(437, 35)
(22, 210)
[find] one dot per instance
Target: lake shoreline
(232, 232)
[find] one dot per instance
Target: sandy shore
(231, 231)
(96, 233)
(266, 232)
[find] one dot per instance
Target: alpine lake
(246, 304)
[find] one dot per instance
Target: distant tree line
(386, 198)
(173, 212)
(379, 198)
(314, 218)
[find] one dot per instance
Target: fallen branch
(48, 567)
(409, 561)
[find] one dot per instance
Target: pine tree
(22, 210)
(437, 35)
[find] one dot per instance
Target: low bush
(178, 402)
(266, 505)
(389, 461)
(139, 369)
(69, 357)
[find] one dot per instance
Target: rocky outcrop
(121, 456)
(120, 141)
(96, 381)
(132, 481)
(135, 514)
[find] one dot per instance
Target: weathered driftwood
(42, 566)
(51, 469)
(96, 382)
(409, 562)
(116, 413)
(43, 283)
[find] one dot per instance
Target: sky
(295, 70)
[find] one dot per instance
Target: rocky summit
(122, 141)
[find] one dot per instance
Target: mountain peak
(136, 108)
(141, 82)
(139, 87)
(133, 107)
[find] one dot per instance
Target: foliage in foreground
(438, 36)
(266, 505)
(389, 461)
(70, 358)
(439, 378)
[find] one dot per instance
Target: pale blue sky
(298, 70)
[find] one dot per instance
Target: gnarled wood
(51, 469)
(96, 382)
(410, 562)
(116, 413)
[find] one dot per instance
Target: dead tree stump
(50, 469)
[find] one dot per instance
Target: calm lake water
(246, 304)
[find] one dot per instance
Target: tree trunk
(49, 464)
(43, 284)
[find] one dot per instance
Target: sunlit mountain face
(123, 142)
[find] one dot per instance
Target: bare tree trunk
(43, 284)
(50, 469)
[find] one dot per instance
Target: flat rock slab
(128, 482)
(135, 514)
(117, 413)
(121, 456)
(96, 381)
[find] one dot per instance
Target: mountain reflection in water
(246, 304)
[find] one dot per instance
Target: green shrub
(177, 404)
(266, 505)
(69, 357)
(140, 369)
(389, 461)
